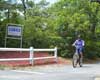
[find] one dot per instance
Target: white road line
(30, 72)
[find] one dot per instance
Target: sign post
(14, 31)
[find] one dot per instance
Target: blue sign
(14, 31)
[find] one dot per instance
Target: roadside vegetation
(48, 25)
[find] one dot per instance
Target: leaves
(55, 25)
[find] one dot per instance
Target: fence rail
(14, 49)
(31, 53)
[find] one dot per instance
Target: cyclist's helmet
(79, 37)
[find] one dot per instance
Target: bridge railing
(31, 50)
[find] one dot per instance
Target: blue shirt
(78, 43)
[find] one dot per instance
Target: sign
(14, 31)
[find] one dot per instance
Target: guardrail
(31, 53)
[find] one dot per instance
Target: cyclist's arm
(74, 43)
(83, 43)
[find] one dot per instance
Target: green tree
(73, 17)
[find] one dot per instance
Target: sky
(51, 1)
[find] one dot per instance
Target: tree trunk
(24, 6)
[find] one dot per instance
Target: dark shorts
(79, 50)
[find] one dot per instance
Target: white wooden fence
(31, 53)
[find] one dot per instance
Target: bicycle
(76, 59)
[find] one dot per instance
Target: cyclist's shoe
(80, 65)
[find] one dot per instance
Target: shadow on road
(86, 66)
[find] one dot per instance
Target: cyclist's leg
(81, 56)
(78, 55)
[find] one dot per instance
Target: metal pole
(5, 42)
(6, 37)
(21, 45)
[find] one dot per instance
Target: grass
(2, 67)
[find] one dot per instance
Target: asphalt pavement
(53, 72)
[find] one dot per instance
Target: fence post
(55, 54)
(31, 55)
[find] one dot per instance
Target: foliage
(47, 26)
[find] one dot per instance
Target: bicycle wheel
(75, 59)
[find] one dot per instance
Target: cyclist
(79, 44)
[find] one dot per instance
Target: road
(58, 72)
